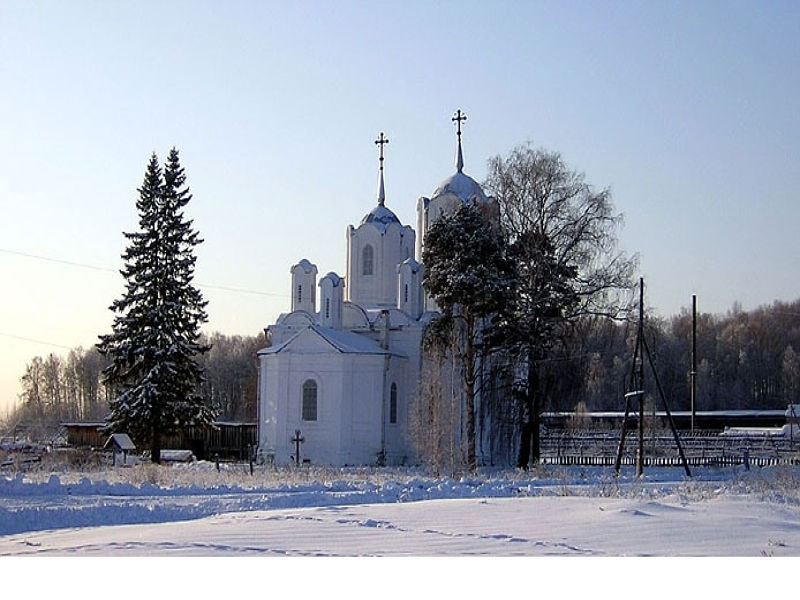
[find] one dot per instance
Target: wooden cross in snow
(297, 439)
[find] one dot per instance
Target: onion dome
(460, 184)
(380, 215)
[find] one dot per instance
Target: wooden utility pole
(637, 390)
(693, 373)
(640, 383)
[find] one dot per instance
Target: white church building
(339, 379)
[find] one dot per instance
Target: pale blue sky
(687, 111)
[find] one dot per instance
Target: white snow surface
(193, 510)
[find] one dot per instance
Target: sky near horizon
(687, 111)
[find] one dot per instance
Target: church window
(299, 294)
(310, 400)
(367, 260)
(393, 404)
(405, 293)
(327, 308)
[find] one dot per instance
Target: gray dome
(463, 186)
(380, 215)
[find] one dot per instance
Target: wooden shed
(85, 435)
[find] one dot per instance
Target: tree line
(745, 360)
(69, 388)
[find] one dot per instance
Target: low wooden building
(85, 435)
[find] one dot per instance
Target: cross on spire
(460, 156)
(381, 192)
(458, 118)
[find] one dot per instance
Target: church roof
(461, 185)
(335, 279)
(345, 342)
(305, 265)
(381, 217)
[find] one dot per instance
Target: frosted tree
(469, 275)
(563, 238)
(153, 348)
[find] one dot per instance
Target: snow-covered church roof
(345, 342)
(380, 216)
(463, 186)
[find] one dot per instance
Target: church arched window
(393, 403)
(367, 260)
(310, 400)
(299, 294)
(327, 308)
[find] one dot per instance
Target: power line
(109, 270)
(58, 260)
(26, 339)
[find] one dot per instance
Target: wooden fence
(672, 461)
(704, 449)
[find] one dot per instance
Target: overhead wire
(110, 270)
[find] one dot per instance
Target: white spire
(381, 191)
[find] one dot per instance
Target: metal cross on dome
(458, 118)
(380, 142)
(459, 155)
(381, 192)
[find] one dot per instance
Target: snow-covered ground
(192, 510)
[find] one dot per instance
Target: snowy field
(195, 511)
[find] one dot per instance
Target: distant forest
(746, 360)
(57, 389)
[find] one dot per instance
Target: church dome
(461, 185)
(380, 216)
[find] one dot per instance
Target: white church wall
(390, 245)
(347, 430)
(321, 436)
(398, 448)
(366, 373)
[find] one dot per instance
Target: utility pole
(693, 373)
(636, 386)
(640, 386)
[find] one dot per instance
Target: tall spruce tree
(469, 275)
(153, 346)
